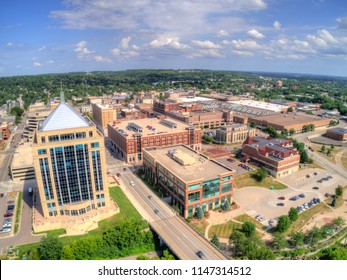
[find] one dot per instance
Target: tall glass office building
(70, 166)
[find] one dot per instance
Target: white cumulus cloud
(37, 64)
(255, 34)
(277, 25)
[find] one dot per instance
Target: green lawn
(344, 159)
(18, 212)
(245, 180)
(200, 226)
(223, 230)
(54, 232)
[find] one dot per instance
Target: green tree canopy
(283, 223)
(248, 228)
(50, 248)
(215, 240)
(293, 214)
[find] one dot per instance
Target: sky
(57, 36)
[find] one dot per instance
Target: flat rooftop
(260, 105)
(23, 156)
(150, 126)
(193, 99)
(338, 130)
(197, 167)
(290, 119)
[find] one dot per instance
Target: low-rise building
(33, 120)
(293, 121)
(337, 133)
(276, 155)
(4, 131)
(22, 167)
(234, 133)
(130, 137)
(102, 115)
(189, 178)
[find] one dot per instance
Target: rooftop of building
(188, 165)
(64, 117)
(338, 130)
(260, 105)
(194, 99)
(231, 126)
(275, 147)
(289, 119)
(149, 126)
(23, 156)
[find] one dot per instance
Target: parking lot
(301, 191)
(235, 164)
(7, 211)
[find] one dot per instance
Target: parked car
(294, 198)
(156, 211)
(8, 214)
(200, 254)
(10, 207)
(281, 198)
(315, 188)
(327, 194)
(280, 204)
(302, 195)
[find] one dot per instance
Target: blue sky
(296, 36)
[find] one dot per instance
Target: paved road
(25, 231)
(179, 236)
(329, 166)
(9, 152)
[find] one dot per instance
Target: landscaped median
(18, 212)
(246, 180)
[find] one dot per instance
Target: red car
(8, 215)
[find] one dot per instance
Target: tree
(313, 236)
(248, 228)
(285, 132)
(328, 152)
(283, 224)
(293, 214)
(271, 131)
(215, 240)
(207, 138)
(297, 239)
(279, 242)
(260, 175)
(253, 124)
(323, 149)
(202, 127)
(176, 208)
(332, 147)
(167, 256)
(339, 222)
(50, 248)
(251, 248)
(199, 214)
(290, 109)
(339, 191)
(333, 203)
(226, 206)
(291, 131)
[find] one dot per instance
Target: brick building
(294, 121)
(337, 133)
(234, 133)
(4, 131)
(275, 155)
(103, 114)
(130, 137)
(189, 178)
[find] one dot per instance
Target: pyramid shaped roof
(64, 117)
